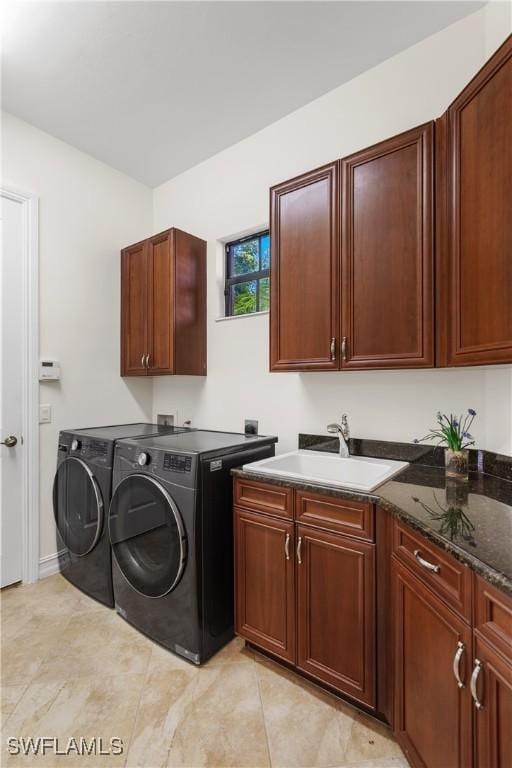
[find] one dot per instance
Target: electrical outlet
(167, 419)
(45, 414)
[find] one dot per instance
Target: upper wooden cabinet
(369, 303)
(474, 213)
(304, 315)
(387, 295)
(163, 306)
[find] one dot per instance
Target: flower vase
(457, 463)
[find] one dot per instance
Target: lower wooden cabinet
(264, 576)
(432, 650)
(336, 612)
(306, 594)
(492, 688)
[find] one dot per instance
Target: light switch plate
(45, 414)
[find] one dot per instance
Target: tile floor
(71, 667)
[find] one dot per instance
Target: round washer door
(77, 506)
(147, 535)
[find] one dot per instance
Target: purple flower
(471, 412)
(467, 435)
(455, 423)
(415, 440)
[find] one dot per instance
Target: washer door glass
(77, 506)
(147, 535)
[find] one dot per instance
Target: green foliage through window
(247, 275)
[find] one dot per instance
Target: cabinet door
(161, 303)
(336, 612)
(134, 302)
(304, 272)
(475, 257)
(493, 721)
(432, 714)
(387, 254)
(264, 582)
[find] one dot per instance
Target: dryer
(81, 495)
(171, 531)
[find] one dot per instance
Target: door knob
(10, 441)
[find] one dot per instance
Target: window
(247, 275)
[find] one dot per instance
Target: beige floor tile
(387, 762)
(10, 695)
(222, 725)
(97, 707)
(165, 697)
(303, 725)
(93, 644)
(23, 656)
(368, 740)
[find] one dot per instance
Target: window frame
(231, 280)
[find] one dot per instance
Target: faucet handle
(345, 427)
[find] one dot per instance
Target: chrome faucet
(343, 432)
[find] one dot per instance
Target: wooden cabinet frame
(163, 306)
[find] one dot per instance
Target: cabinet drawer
(493, 616)
(352, 518)
(272, 499)
(448, 578)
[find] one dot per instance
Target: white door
(13, 239)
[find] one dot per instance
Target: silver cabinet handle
(333, 348)
(456, 663)
(287, 546)
(147, 360)
(344, 348)
(425, 563)
(473, 683)
(299, 550)
(142, 360)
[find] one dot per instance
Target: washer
(81, 495)
(171, 531)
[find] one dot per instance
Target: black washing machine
(171, 530)
(81, 495)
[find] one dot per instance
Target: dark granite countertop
(472, 520)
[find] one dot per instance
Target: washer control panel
(174, 462)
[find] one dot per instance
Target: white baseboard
(48, 565)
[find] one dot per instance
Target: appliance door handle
(474, 682)
(425, 563)
(456, 663)
(287, 546)
(299, 550)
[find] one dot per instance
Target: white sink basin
(356, 472)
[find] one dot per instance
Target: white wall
(228, 194)
(87, 211)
